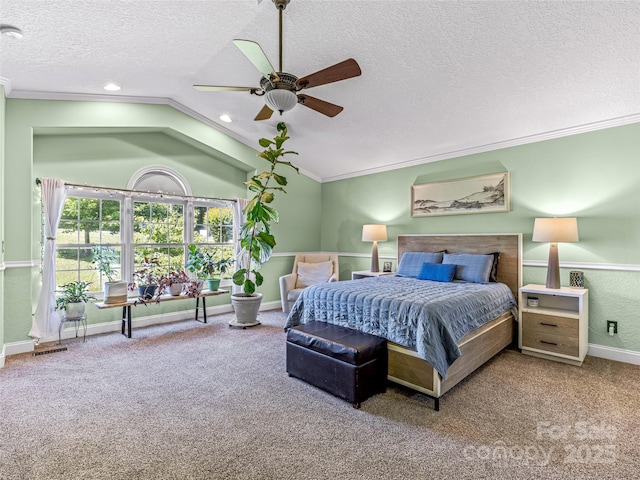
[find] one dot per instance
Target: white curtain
(46, 320)
(238, 219)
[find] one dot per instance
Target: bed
(420, 365)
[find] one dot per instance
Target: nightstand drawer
(551, 343)
(549, 324)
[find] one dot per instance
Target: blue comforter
(425, 316)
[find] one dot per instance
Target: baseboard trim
(27, 346)
(612, 353)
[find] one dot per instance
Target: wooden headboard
(509, 246)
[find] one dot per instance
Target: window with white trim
(213, 231)
(87, 221)
(134, 225)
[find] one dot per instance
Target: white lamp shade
(374, 233)
(280, 100)
(552, 230)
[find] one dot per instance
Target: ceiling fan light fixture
(11, 32)
(280, 100)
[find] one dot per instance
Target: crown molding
(89, 97)
(539, 137)
(7, 85)
(564, 132)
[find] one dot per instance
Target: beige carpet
(193, 401)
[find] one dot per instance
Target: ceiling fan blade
(340, 71)
(220, 88)
(264, 114)
(253, 51)
(326, 108)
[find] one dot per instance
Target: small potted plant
(195, 259)
(115, 291)
(214, 269)
(146, 279)
(172, 282)
(207, 267)
(73, 298)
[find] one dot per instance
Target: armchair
(305, 274)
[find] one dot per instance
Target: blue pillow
(438, 272)
(411, 262)
(471, 267)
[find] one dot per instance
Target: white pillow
(312, 273)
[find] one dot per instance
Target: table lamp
(554, 231)
(375, 234)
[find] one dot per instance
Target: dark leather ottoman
(349, 364)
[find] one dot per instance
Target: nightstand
(558, 327)
(367, 273)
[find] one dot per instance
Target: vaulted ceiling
(439, 78)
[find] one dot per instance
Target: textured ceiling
(438, 77)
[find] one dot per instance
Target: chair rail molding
(20, 264)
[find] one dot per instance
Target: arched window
(156, 217)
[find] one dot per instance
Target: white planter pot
(115, 292)
(175, 289)
(246, 308)
(75, 310)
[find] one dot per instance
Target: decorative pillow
(471, 267)
(312, 273)
(438, 272)
(411, 262)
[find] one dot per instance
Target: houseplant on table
(73, 298)
(172, 283)
(115, 291)
(216, 269)
(256, 239)
(146, 279)
(207, 267)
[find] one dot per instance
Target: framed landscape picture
(483, 194)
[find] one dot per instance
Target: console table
(131, 302)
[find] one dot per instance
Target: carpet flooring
(187, 400)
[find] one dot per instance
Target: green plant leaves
(255, 236)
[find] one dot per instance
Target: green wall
(593, 176)
(2, 128)
(104, 144)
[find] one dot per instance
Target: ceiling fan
(280, 89)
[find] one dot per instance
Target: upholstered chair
(308, 269)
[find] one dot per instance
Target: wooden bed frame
(406, 367)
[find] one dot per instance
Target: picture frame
(480, 194)
(386, 267)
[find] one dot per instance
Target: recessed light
(112, 87)
(10, 31)
(225, 118)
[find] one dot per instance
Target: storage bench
(349, 364)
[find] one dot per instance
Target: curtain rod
(125, 190)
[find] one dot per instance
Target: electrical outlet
(611, 323)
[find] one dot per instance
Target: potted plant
(146, 279)
(172, 282)
(73, 298)
(215, 269)
(207, 267)
(115, 291)
(195, 261)
(256, 239)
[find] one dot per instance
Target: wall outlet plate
(614, 324)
